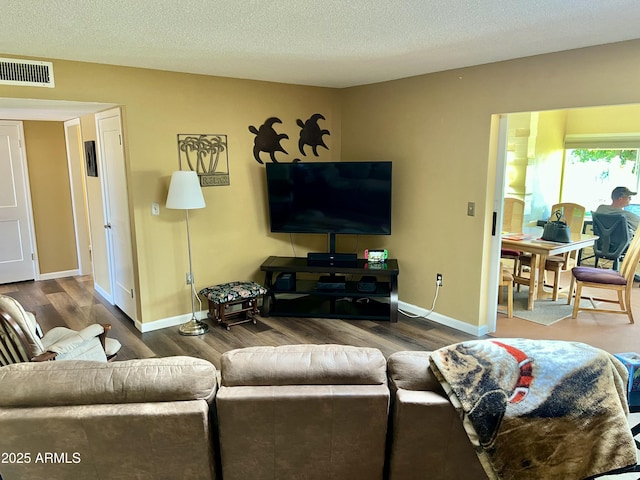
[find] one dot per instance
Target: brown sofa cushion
(410, 371)
(303, 365)
(78, 382)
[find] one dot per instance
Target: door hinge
(33, 256)
(132, 293)
(120, 139)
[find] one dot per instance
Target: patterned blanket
(539, 409)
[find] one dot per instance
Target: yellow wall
(436, 128)
(230, 238)
(546, 166)
(52, 214)
(622, 119)
(543, 169)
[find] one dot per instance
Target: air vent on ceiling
(26, 73)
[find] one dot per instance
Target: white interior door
(116, 210)
(17, 249)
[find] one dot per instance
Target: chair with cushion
(620, 282)
(21, 339)
(573, 214)
(512, 220)
(506, 280)
(613, 237)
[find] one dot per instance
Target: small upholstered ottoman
(222, 297)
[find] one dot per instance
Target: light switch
(155, 209)
(471, 209)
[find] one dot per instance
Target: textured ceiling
(331, 43)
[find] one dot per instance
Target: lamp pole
(193, 326)
(185, 194)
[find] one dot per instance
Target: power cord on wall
(429, 312)
(193, 292)
(293, 247)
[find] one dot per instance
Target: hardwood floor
(72, 302)
(611, 332)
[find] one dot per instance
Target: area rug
(545, 312)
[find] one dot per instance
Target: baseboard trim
(167, 322)
(412, 309)
(62, 274)
(100, 291)
(476, 330)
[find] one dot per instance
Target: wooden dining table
(530, 242)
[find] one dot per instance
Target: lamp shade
(185, 192)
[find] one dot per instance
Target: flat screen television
(330, 197)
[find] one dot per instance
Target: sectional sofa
(288, 412)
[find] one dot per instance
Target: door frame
(496, 234)
(79, 199)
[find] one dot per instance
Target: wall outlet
(155, 209)
(439, 279)
(189, 279)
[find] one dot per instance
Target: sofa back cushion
(303, 411)
(79, 382)
(410, 371)
(303, 365)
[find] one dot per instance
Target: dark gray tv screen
(330, 197)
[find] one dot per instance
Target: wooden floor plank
(72, 302)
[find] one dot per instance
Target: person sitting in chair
(620, 198)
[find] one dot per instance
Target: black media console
(305, 291)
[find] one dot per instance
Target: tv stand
(305, 299)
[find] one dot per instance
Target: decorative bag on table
(556, 230)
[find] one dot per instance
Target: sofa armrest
(64, 340)
(428, 440)
(45, 357)
(79, 382)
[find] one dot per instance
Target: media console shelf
(304, 299)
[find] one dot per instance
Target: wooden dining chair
(506, 280)
(573, 214)
(512, 222)
(620, 282)
(559, 264)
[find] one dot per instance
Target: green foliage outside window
(590, 155)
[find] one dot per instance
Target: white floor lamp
(185, 194)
